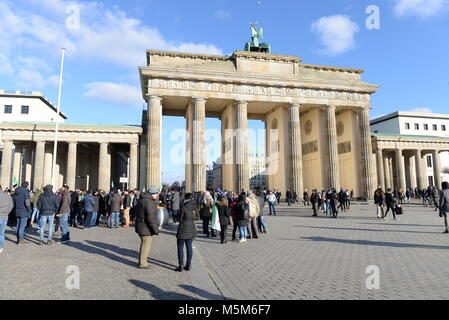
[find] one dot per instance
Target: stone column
(436, 168)
(26, 176)
(5, 178)
(39, 165)
(367, 169)
(387, 175)
(241, 146)
(154, 141)
(334, 167)
(104, 168)
(71, 165)
(17, 168)
(296, 183)
(48, 164)
(380, 168)
(412, 172)
(198, 148)
(132, 183)
(400, 169)
(188, 168)
(421, 180)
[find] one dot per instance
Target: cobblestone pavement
(305, 257)
(302, 257)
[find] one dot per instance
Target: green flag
(112, 185)
(15, 180)
(215, 217)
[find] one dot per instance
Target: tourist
(390, 202)
(436, 197)
(115, 202)
(342, 200)
(186, 232)
(176, 205)
(93, 221)
(103, 204)
(262, 225)
(64, 213)
(48, 206)
(126, 208)
(22, 210)
(6, 206)
(331, 196)
(253, 214)
(314, 201)
(35, 214)
(278, 196)
(223, 216)
(233, 211)
(379, 201)
(242, 213)
(206, 213)
(271, 198)
(88, 204)
(289, 197)
(146, 223)
(305, 199)
(74, 208)
(443, 203)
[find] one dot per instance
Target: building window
(25, 110)
(443, 127)
(8, 109)
(426, 127)
(435, 127)
(416, 126)
(429, 161)
(407, 126)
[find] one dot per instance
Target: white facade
(17, 106)
(257, 175)
(417, 124)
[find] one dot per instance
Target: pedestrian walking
(22, 210)
(147, 223)
(390, 203)
(186, 232)
(379, 201)
(314, 201)
(444, 203)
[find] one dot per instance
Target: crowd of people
(218, 210)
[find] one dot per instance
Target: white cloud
(37, 28)
(422, 110)
(336, 33)
(31, 79)
(420, 8)
(117, 93)
(223, 14)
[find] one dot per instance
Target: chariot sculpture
(254, 45)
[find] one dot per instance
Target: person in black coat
(242, 212)
(22, 209)
(186, 231)
(223, 215)
(390, 202)
(48, 204)
(147, 223)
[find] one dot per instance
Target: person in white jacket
(272, 200)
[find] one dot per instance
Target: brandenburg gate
(316, 119)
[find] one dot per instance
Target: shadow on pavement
(376, 243)
(373, 230)
(160, 294)
(203, 293)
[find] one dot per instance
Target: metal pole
(55, 147)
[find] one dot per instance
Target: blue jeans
(115, 217)
(43, 223)
(3, 224)
(188, 244)
(243, 232)
(93, 220)
(88, 220)
(262, 223)
(64, 219)
(20, 226)
(272, 207)
(35, 215)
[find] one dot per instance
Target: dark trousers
(73, 217)
(223, 233)
(392, 210)
(234, 230)
(175, 215)
(206, 226)
(188, 244)
(314, 207)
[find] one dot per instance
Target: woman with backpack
(206, 213)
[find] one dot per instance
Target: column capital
(241, 102)
(294, 104)
(153, 97)
(331, 107)
(199, 99)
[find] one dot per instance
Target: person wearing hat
(147, 223)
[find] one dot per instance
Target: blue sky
(407, 56)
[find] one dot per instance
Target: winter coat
(89, 203)
(187, 228)
(242, 213)
(253, 206)
(175, 201)
(379, 198)
(444, 201)
(96, 203)
(22, 206)
(74, 201)
(389, 199)
(48, 203)
(314, 198)
(206, 210)
(36, 196)
(261, 200)
(115, 202)
(65, 204)
(6, 205)
(127, 202)
(223, 212)
(146, 216)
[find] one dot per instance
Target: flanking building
(412, 149)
